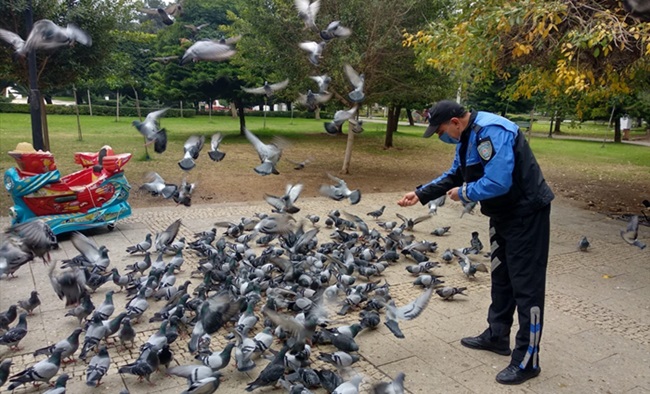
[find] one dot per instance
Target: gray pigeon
(206, 385)
(340, 191)
(31, 303)
(42, 371)
(165, 238)
(349, 387)
(46, 35)
(15, 334)
(631, 233)
(59, 385)
(8, 317)
(315, 50)
(5, 366)
(440, 231)
(339, 359)
(107, 308)
(95, 332)
(67, 346)
(98, 367)
(191, 150)
(394, 387)
(267, 89)
(126, 333)
(271, 373)
(447, 293)
(215, 154)
(151, 130)
(407, 312)
(335, 30)
(307, 11)
(409, 223)
(285, 203)
(97, 256)
(357, 81)
(434, 204)
(468, 207)
(184, 195)
(583, 245)
(313, 100)
(146, 364)
(269, 154)
(213, 314)
(12, 257)
(218, 360)
(156, 185)
(323, 82)
(207, 50)
(377, 213)
(140, 247)
(340, 116)
(193, 373)
(36, 238)
(70, 284)
(84, 309)
(469, 268)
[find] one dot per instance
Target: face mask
(444, 137)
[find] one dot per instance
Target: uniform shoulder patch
(485, 149)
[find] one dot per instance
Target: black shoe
(515, 375)
(481, 343)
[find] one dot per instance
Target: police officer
(495, 166)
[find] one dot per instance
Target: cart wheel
(110, 227)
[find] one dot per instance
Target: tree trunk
(617, 128)
(317, 113)
(242, 119)
(76, 110)
(210, 110)
(90, 104)
(409, 115)
(348, 151)
(559, 117)
(391, 125)
(46, 132)
(137, 102)
(233, 109)
(117, 107)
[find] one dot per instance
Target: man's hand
(409, 199)
(453, 194)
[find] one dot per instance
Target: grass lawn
(568, 165)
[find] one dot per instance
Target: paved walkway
(597, 326)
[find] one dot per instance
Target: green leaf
(596, 51)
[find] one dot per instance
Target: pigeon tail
(187, 164)
(356, 97)
(355, 197)
(394, 328)
(331, 128)
(160, 144)
(169, 191)
(266, 168)
(216, 155)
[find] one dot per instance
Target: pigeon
(144, 366)
(407, 312)
(427, 281)
(151, 130)
(191, 150)
(107, 308)
(31, 303)
(5, 366)
(271, 373)
(394, 387)
(631, 233)
(59, 385)
(323, 82)
(377, 213)
(8, 317)
(167, 15)
(335, 30)
(340, 191)
(140, 247)
(312, 100)
(138, 305)
(165, 238)
(357, 81)
(583, 245)
(70, 284)
(12, 257)
(340, 117)
(193, 373)
(46, 35)
(267, 89)
(207, 50)
(15, 334)
(217, 361)
(98, 367)
(440, 231)
(434, 204)
(206, 385)
(447, 293)
(469, 268)
(315, 50)
(299, 165)
(83, 310)
(95, 332)
(213, 314)
(215, 154)
(307, 11)
(468, 207)
(126, 333)
(409, 223)
(156, 185)
(475, 244)
(195, 29)
(285, 203)
(36, 238)
(67, 346)
(184, 195)
(96, 256)
(166, 18)
(349, 387)
(269, 154)
(42, 371)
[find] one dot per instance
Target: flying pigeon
(156, 185)
(323, 82)
(357, 81)
(315, 50)
(36, 238)
(269, 154)
(267, 89)
(151, 131)
(215, 154)
(299, 165)
(631, 233)
(313, 100)
(335, 30)
(434, 204)
(207, 50)
(70, 284)
(46, 35)
(192, 147)
(468, 207)
(340, 191)
(340, 116)
(285, 203)
(12, 257)
(394, 387)
(184, 194)
(96, 256)
(165, 238)
(195, 29)
(307, 11)
(407, 312)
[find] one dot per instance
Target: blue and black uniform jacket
(495, 166)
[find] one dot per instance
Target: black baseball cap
(441, 112)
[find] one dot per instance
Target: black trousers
(519, 260)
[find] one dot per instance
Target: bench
(523, 126)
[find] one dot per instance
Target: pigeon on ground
(340, 116)
(271, 373)
(126, 333)
(151, 130)
(394, 387)
(267, 89)
(84, 309)
(217, 360)
(315, 50)
(107, 308)
(323, 82)
(31, 303)
(357, 81)
(36, 238)
(184, 195)
(440, 231)
(67, 346)
(5, 366)
(339, 359)
(70, 284)
(46, 35)
(215, 154)
(335, 30)
(349, 387)
(340, 191)
(447, 293)
(193, 373)
(468, 267)
(140, 247)
(475, 244)
(191, 149)
(269, 154)
(307, 11)
(377, 213)
(407, 312)
(286, 202)
(59, 385)
(206, 385)
(96, 256)
(165, 238)
(313, 100)
(95, 332)
(15, 334)
(583, 245)
(631, 233)
(8, 317)
(42, 371)
(144, 366)
(434, 204)
(98, 367)
(12, 257)
(207, 50)
(156, 185)
(213, 314)
(138, 305)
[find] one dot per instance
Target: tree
(583, 50)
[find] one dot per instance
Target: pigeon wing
(353, 76)
(415, 307)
